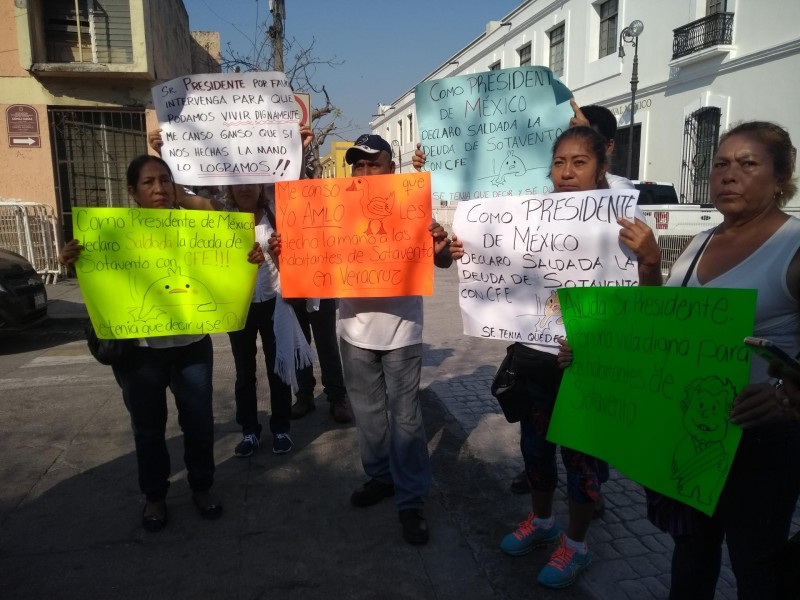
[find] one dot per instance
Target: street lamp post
(630, 35)
(399, 157)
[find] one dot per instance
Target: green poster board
(157, 272)
(653, 377)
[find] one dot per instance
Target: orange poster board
(355, 237)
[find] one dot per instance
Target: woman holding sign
(579, 164)
(182, 363)
(757, 245)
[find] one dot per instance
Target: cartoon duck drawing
(551, 309)
(512, 164)
(176, 290)
(375, 209)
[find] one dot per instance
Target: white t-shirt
(381, 323)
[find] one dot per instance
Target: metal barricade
(30, 229)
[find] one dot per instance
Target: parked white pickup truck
(675, 224)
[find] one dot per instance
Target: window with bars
(700, 141)
(524, 54)
(608, 27)
(557, 50)
(411, 128)
(400, 131)
(91, 150)
(495, 66)
(83, 31)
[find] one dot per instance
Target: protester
(271, 318)
(381, 345)
(183, 363)
(757, 246)
(603, 122)
(579, 164)
(268, 317)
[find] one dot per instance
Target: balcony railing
(713, 30)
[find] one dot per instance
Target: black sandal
(208, 507)
(154, 523)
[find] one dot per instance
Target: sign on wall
(22, 124)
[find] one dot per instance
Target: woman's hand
(456, 248)
(70, 253)
(564, 358)
(154, 140)
(306, 136)
(639, 238)
(256, 255)
(761, 404)
(418, 158)
(274, 244)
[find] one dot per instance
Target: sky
(386, 48)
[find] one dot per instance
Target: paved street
(69, 503)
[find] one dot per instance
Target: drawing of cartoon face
(706, 417)
(176, 290)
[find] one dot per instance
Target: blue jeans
(243, 346)
(383, 386)
(322, 323)
(144, 379)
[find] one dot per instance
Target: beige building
(75, 81)
(333, 163)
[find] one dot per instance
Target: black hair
(601, 120)
(136, 165)
(780, 149)
(595, 141)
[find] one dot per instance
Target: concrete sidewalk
(69, 506)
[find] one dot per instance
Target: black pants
(322, 323)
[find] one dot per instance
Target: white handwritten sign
(518, 251)
(227, 128)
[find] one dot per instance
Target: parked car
(23, 297)
(656, 192)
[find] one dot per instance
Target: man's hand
(578, 120)
(441, 255)
(70, 253)
(274, 244)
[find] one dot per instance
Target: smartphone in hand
(773, 354)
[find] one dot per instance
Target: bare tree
(301, 70)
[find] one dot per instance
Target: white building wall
(756, 77)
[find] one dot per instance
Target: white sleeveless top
(777, 312)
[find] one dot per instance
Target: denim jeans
(144, 379)
(243, 346)
(383, 386)
(322, 323)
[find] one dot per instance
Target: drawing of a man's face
(706, 417)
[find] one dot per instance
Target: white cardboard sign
(229, 128)
(519, 250)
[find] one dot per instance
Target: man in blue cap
(381, 346)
